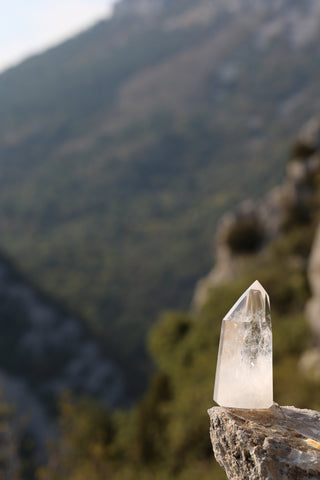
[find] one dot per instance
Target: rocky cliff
(46, 351)
(255, 224)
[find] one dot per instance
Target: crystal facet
(244, 366)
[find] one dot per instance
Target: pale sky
(30, 26)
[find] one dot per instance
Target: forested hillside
(120, 148)
(166, 435)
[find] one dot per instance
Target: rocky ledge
(274, 444)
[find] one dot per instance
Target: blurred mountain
(120, 148)
(166, 434)
(46, 351)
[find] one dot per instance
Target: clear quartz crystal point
(244, 366)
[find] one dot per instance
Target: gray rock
(277, 208)
(314, 265)
(310, 364)
(312, 309)
(266, 214)
(280, 443)
(310, 133)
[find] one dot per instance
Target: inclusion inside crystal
(244, 366)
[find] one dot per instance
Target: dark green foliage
(152, 421)
(301, 150)
(297, 241)
(12, 466)
(166, 435)
(27, 454)
(296, 215)
(246, 235)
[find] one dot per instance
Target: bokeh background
(156, 157)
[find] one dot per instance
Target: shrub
(301, 150)
(246, 235)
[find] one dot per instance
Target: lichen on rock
(279, 443)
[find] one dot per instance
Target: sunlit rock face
(244, 366)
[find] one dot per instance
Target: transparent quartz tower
(244, 366)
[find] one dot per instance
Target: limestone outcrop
(255, 223)
(280, 443)
(313, 306)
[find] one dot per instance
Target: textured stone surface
(279, 443)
